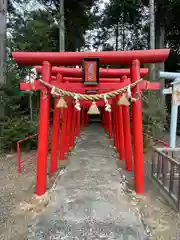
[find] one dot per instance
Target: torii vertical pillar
(69, 125)
(120, 130)
(55, 138)
(86, 117)
(110, 124)
(63, 134)
(43, 132)
(78, 129)
(73, 127)
(137, 130)
(114, 123)
(82, 116)
(55, 133)
(127, 134)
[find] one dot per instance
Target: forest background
(88, 25)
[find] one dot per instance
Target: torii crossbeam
(104, 73)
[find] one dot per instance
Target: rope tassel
(130, 94)
(61, 103)
(107, 105)
(93, 109)
(77, 103)
(123, 100)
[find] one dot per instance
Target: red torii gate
(133, 58)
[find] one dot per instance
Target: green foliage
(16, 102)
(121, 21)
(125, 11)
(38, 30)
(154, 117)
(17, 124)
(123, 25)
(17, 128)
(126, 23)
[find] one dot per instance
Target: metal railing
(157, 141)
(18, 146)
(166, 172)
(19, 160)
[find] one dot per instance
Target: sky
(104, 2)
(33, 4)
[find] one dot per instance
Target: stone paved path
(88, 201)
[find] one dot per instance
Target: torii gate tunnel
(116, 123)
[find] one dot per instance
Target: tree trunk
(123, 33)
(30, 106)
(160, 39)
(117, 36)
(61, 28)
(3, 11)
(152, 37)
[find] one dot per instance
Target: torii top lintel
(75, 58)
(77, 72)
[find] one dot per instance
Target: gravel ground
(17, 190)
(17, 195)
(162, 220)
